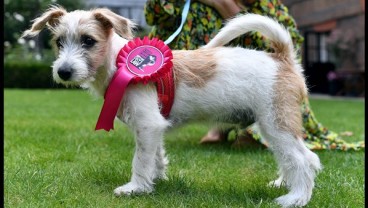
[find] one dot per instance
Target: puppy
(223, 84)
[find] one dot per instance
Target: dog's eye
(87, 41)
(58, 43)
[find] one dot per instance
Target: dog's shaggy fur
(223, 84)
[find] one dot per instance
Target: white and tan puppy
(223, 84)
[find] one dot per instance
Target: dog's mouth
(70, 83)
(75, 83)
(73, 78)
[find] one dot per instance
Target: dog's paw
(293, 200)
(277, 183)
(161, 176)
(130, 189)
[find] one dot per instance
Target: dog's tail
(276, 33)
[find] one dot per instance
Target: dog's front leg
(144, 164)
(142, 114)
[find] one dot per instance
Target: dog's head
(81, 39)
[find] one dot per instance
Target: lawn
(54, 158)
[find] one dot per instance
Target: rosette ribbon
(139, 61)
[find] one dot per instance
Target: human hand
(226, 8)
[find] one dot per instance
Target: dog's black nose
(65, 72)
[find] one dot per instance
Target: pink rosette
(139, 61)
(153, 47)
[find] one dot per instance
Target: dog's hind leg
(143, 116)
(298, 165)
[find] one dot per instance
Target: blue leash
(184, 15)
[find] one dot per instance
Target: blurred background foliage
(19, 14)
(31, 56)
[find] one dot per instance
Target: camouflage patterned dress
(204, 22)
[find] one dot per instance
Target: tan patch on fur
(50, 18)
(290, 91)
(105, 22)
(194, 67)
(121, 25)
(94, 29)
(281, 51)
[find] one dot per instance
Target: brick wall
(309, 12)
(344, 15)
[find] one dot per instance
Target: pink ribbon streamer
(113, 98)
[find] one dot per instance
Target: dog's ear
(50, 19)
(122, 26)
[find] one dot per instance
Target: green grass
(54, 158)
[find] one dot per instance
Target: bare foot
(246, 140)
(215, 135)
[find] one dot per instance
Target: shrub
(23, 70)
(28, 74)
